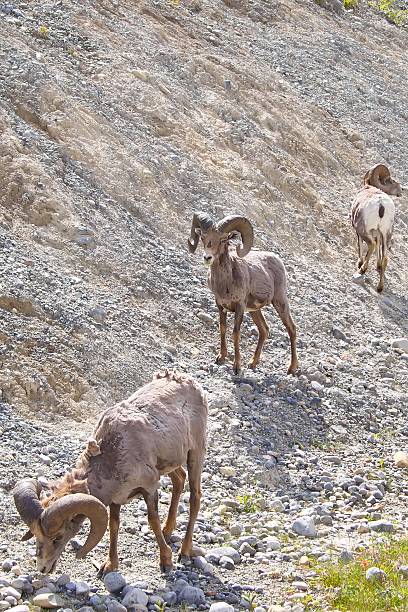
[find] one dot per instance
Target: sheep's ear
(198, 231)
(27, 536)
(234, 237)
(92, 447)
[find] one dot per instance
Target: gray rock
(400, 343)
(114, 582)
(203, 565)
(112, 605)
(381, 526)
(215, 554)
(192, 595)
(375, 574)
(403, 569)
(227, 563)
(82, 589)
(346, 556)
(170, 597)
(135, 596)
(305, 526)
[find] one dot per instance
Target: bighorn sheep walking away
(242, 281)
(154, 432)
(372, 216)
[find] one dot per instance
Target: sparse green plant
(250, 598)
(184, 607)
(161, 607)
(392, 12)
(250, 502)
(350, 4)
(348, 589)
(42, 31)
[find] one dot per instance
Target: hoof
(252, 364)
(293, 369)
(166, 569)
(380, 288)
(105, 568)
(221, 359)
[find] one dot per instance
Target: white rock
(135, 596)
(221, 606)
(47, 600)
(305, 526)
(400, 343)
(228, 471)
(375, 574)
(401, 459)
(272, 543)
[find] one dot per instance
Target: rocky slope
(117, 121)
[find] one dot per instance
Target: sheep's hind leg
(263, 330)
(194, 468)
(281, 306)
(370, 250)
(112, 562)
(360, 253)
(152, 503)
(178, 477)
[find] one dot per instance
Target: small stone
(170, 597)
(277, 506)
(272, 543)
(203, 565)
(47, 600)
(403, 569)
(236, 529)
(135, 596)
(4, 605)
(114, 582)
(203, 316)
(334, 459)
(227, 563)
(401, 459)
(228, 471)
(400, 343)
(215, 554)
(221, 606)
(113, 605)
(20, 608)
(305, 526)
(192, 595)
(346, 556)
(381, 526)
(375, 574)
(82, 589)
(63, 580)
(299, 585)
(359, 279)
(7, 565)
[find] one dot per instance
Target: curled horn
(241, 225)
(201, 221)
(26, 495)
(376, 176)
(69, 506)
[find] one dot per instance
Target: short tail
(381, 211)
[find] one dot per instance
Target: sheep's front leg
(112, 562)
(178, 477)
(152, 503)
(239, 315)
(223, 332)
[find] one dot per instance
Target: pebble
(228, 471)
(305, 526)
(135, 596)
(403, 569)
(114, 582)
(375, 574)
(401, 459)
(47, 600)
(220, 606)
(400, 343)
(225, 551)
(381, 526)
(191, 595)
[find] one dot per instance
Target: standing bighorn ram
(242, 281)
(372, 216)
(154, 432)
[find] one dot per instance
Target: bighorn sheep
(242, 281)
(372, 216)
(158, 429)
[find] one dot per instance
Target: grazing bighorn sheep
(158, 429)
(242, 281)
(372, 216)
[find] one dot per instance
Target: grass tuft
(348, 589)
